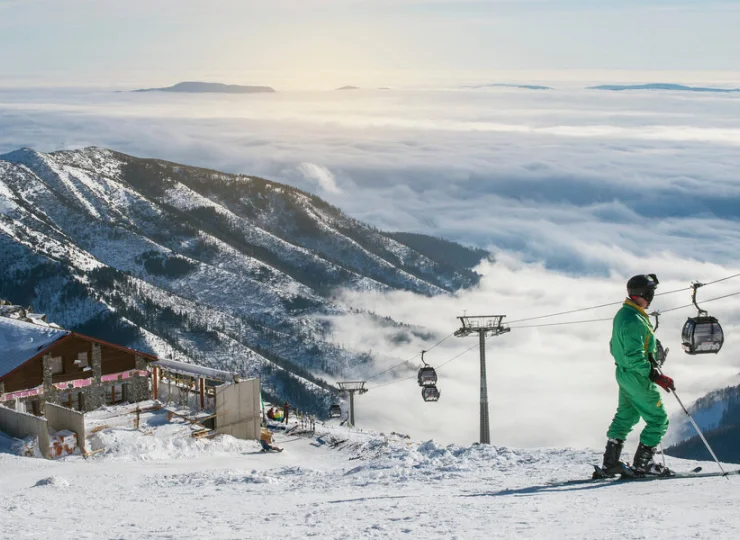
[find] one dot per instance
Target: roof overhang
(146, 356)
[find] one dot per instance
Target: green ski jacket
(632, 339)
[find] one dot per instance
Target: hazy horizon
(329, 80)
(312, 41)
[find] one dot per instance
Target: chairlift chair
(430, 393)
(335, 411)
(701, 334)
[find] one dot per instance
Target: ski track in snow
(371, 486)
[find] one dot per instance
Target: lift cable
(414, 377)
(723, 279)
(457, 356)
(616, 303)
(410, 359)
(562, 324)
(703, 302)
(610, 318)
(557, 324)
(587, 308)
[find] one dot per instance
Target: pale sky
(115, 42)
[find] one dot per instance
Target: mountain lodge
(41, 362)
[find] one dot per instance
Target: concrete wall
(21, 425)
(60, 418)
(238, 409)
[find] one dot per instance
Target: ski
(696, 473)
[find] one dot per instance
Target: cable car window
(430, 393)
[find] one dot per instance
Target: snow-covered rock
(53, 481)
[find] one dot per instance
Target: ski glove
(664, 381)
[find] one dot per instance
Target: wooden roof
(22, 342)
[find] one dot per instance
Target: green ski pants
(638, 397)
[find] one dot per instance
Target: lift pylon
(483, 325)
(352, 387)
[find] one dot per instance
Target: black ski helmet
(643, 285)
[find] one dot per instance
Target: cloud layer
(547, 385)
(323, 177)
(492, 167)
(573, 190)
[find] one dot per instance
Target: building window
(81, 361)
(57, 365)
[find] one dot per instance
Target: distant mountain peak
(662, 86)
(511, 85)
(21, 152)
(210, 87)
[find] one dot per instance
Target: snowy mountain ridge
(230, 271)
(718, 416)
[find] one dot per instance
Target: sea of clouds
(572, 190)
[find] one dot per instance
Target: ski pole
(696, 427)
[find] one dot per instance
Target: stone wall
(51, 394)
(138, 385)
(95, 394)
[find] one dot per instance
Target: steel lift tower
(352, 387)
(483, 325)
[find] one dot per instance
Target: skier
(633, 346)
(286, 411)
(266, 441)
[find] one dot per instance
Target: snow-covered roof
(20, 341)
(192, 369)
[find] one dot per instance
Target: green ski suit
(632, 340)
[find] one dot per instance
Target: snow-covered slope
(342, 484)
(224, 270)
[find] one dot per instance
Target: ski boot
(612, 466)
(644, 465)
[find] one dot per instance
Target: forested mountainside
(230, 271)
(718, 416)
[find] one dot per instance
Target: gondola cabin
(430, 393)
(427, 376)
(335, 411)
(702, 335)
